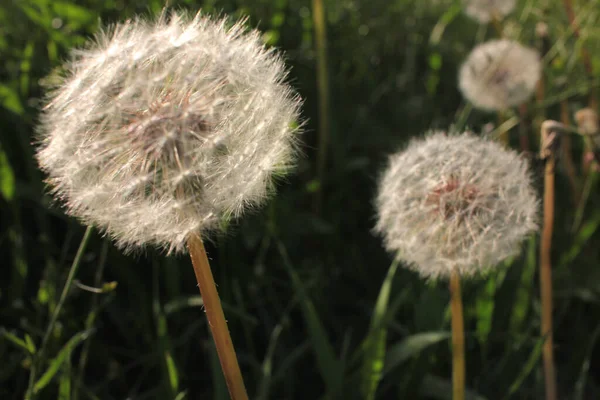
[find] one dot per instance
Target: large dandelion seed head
(455, 203)
(484, 11)
(161, 128)
(499, 74)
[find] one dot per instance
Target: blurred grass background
(299, 287)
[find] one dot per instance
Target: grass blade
(64, 385)
(58, 361)
(165, 350)
(524, 288)
(329, 366)
(411, 346)
(438, 388)
(219, 386)
(528, 367)
(374, 344)
(267, 366)
(14, 339)
(583, 235)
(484, 307)
(585, 367)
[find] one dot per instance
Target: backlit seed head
(455, 202)
(484, 11)
(587, 121)
(161, 128)
(499, 74)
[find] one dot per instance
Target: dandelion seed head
(161, 128)
(542, 30)
(499, 74)
(587, 121)
(484, 11)
(455, 202)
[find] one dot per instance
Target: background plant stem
(89, 323)
(566, 156)
(323, 88)
(216, 319)
(587, 65)
(458, 339)
(585, 55)
(39, 358)
(523, 128)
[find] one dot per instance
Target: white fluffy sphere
(484, 11)
(455, 203)
(499, 74)
(159, 129)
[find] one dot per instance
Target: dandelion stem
(63, 296)
(216, 319)
(546, 273)
(566, 156)
(458, 339)
(323, 87)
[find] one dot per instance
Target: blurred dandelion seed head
(455, 202)
(161, 128)
(499, 74)
(587, 121)
(542, 30)
(484, 11)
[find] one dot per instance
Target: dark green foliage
(299, 289)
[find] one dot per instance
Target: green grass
(314, 310)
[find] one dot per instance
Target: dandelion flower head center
(159, 132)
(451, 200)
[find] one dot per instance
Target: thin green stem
(590, 180)
(523, 129)
(39, 357)
(323, 87)
(585, 55)
(566, 156)
(91, 318)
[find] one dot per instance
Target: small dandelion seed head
(542, 30)
(455, 202)
(484, 11)
(160, 128)
(587, 121)
(499, 74)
